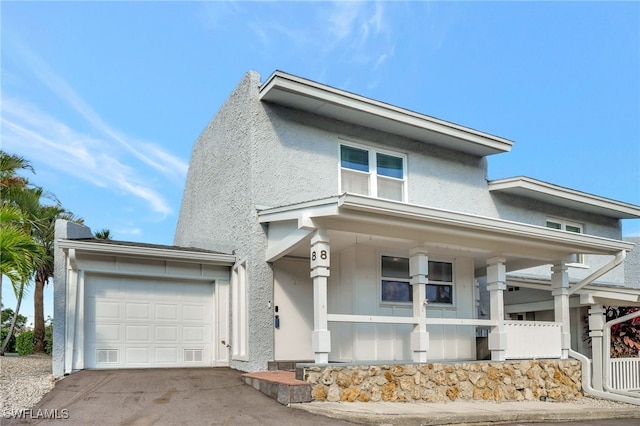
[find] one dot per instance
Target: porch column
(496, 284)
(320, 261)
(597, 321)
(419, 272)
(560, 293)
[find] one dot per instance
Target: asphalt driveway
(195, 396)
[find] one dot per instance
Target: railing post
(560, 293)
(419, 272)
(320, 262)
(596, 326)
(496, 284)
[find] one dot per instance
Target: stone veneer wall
(557, 380)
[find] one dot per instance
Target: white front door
(142, 323)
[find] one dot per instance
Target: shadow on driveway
(194, 396)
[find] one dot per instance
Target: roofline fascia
(147, 252)
(481, 223)
(566, 193)
(351, 100)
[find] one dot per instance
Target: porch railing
(525, 339)
(533, 339)
(624, 374)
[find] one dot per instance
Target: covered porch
(360, 279)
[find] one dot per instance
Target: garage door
(136, 323)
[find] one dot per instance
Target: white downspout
(620, 257)
(607, 352)
(586, 382)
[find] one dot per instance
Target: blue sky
(107, 98)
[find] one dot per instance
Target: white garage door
(135, 323)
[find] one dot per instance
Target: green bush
(11, 346)
(24, 343)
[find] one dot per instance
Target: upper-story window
(565, 225)
(372, 172)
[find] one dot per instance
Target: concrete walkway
(470, 412)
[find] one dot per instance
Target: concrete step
(279, 385)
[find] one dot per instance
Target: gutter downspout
(607, 353)
(620, 257)
(586, 382)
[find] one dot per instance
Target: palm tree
(20, 255)
(103, 234)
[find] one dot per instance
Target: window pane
(396, 291)
(355, 182)
(390, 189)
(575, 229)
(439, 294)
(354, 158)
(441, 271)
(395, 267)
(389, 165)
(554, 225)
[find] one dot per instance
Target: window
(564, 225)
(396, 287)
(370, 172)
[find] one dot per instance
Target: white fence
(624, 374)
(533, 339)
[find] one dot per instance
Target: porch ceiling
(352, 219)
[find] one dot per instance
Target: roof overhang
(468, 232)
(295, 92)
(557, 195)
(127, 249)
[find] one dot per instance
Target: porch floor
(279, 385)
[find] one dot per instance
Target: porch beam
(288, 244)
(409, 320)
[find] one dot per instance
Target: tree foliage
(625, 336)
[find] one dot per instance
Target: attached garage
(138, 323)
(132, 305)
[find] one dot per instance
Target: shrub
(11, 346)
(24, 343)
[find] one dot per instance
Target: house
(319, 225)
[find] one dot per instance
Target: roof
(557, 195)
(136, 249)
(471, 233)
(296, 92)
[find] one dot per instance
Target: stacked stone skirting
(555, 380)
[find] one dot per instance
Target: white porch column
(496, 284)
(597, 320)
(419, 272)
(560, 293)
(320, 262)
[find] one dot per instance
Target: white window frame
(385, 303)
(239, 312)
(563, 227)
(373, 167)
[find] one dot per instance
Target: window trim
(373, 168)
(397, 304)
(563, 227)
(239, 312)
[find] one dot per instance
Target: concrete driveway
(195, 396)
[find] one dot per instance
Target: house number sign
(320, 255)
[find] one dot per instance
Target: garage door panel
(138, 324)
(166, 333)
(165, 312)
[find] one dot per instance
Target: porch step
(279, 385)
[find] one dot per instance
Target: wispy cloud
(101, 155)
(47, 140)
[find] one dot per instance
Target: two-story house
(328, 227)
